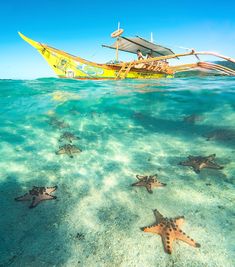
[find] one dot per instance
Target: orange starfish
(149, 182)
(169, 230)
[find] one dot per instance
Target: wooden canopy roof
(132, 44)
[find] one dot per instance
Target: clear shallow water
(126, 128)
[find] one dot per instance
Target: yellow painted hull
(68, 66)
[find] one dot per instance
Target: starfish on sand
(221, 135)
(38, 194)
(68, 149)
(169, 230)
(192, 118)
(68, 136)
(58, 123)
(149, 182)
(198, 163)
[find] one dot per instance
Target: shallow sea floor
(125, 128)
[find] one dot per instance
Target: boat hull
(68, 66)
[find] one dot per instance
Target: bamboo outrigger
(66, 65)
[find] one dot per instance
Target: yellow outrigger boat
(66, 65)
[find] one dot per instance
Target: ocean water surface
(125, 128)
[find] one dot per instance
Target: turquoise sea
(125, 128)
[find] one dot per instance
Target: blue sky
(80, 27)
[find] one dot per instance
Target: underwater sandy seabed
(125, 128)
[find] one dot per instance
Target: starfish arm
(60, 151)
(38, 199)
(167, 241)
(158, 184)
(47, 197)
(212, 165)
(185, 163)
(179, 221)
(149, 188)
(155, 229)
(158, 216)
(70, 154)
(141, 177)
(49, 190)
(140, 183)
(211, 157)
(197, 169)
(183, 237)
(25, 197)
(34, 202)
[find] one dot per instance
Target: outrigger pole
(193, 52)
(126, 66)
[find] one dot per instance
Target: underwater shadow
(38, 236)
(183, 129)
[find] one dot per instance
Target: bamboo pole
(216, 67)
(186, 54)
(184, 66)
(204, 65)
(216, 55)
